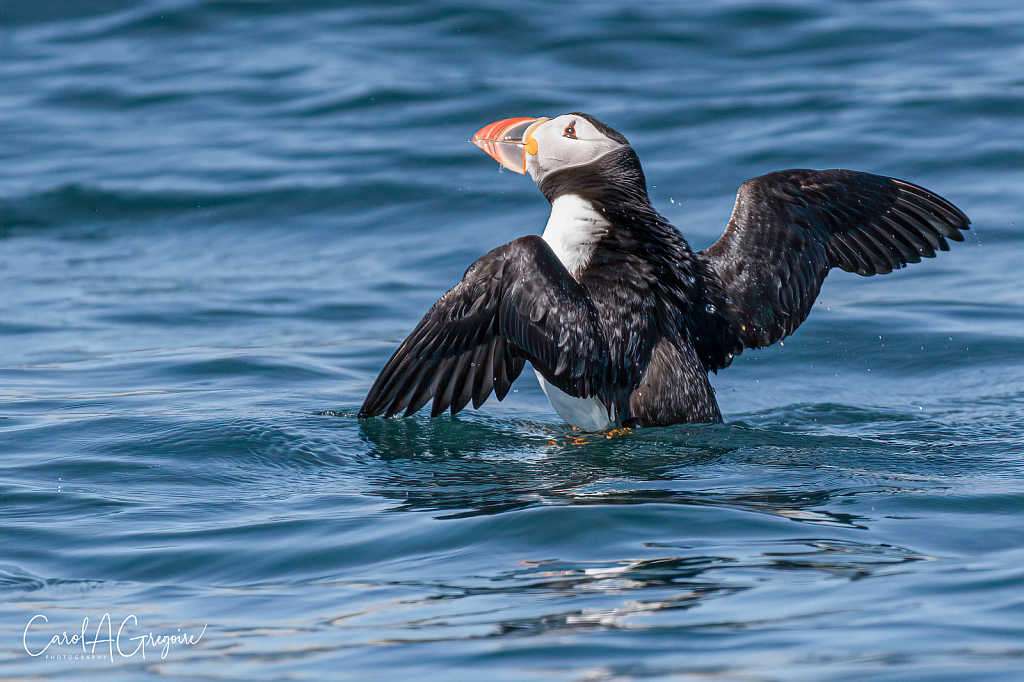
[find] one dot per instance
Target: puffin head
(569, 154)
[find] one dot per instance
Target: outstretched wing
(790, 227)
(516, 303)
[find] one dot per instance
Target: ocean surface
(219, 218)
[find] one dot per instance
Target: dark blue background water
(219, 218)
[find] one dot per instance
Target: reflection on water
(482, 468)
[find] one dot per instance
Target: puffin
(620, 319)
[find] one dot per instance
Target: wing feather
(517, 303)
(789, 228)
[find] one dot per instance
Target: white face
(566, 141)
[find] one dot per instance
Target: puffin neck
(612, 181)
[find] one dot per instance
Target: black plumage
(514, 304)
(790, 227)
(641, 325)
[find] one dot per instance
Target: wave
(78, 204)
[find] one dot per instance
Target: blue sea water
(219, 218)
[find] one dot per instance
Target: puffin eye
(570, 131)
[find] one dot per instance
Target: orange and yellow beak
(509, 141)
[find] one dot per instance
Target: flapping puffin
(620, 319)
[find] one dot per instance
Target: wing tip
(937, 206)
(369, 408)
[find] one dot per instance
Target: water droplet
(710, 308)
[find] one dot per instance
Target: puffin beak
(509, 141)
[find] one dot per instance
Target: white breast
(573, 231)
(589, 414)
